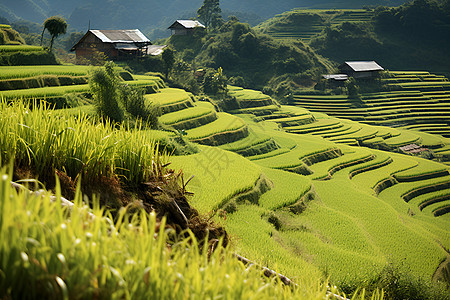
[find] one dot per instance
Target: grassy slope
(309, 241)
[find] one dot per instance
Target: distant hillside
(9, 36)
(408, 37)
(114, 14)
(252, 60)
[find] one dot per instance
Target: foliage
(209, 13)
(9, 36)
(51, 251)
(168, 56)
(21, 48)
(254, 57)
(215, 82)
(45, 143)
(56, 26)
(27, 58)
(390, 36)
(352, 88)
(134, 103)
(104, 84)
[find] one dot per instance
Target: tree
(209, 13)
(55, 25)
(168, 57)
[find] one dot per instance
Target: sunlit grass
(49, 251)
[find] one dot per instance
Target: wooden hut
(185, 27)
(115, 44)
(361, 69)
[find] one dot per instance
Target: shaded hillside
(409, 37)
(153, 14)
(9, 36)
(251, 59)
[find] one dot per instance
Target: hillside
(14, 51)
(280, 179)
(152, 14)
(408, 37)
(251, 59)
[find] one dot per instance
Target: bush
(104, 84)
(28, 58)
(133, 100)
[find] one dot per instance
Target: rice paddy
(301, 24)
(297, 181)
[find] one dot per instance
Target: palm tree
(55, 25)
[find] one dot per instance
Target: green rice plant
(369, 180)
(405, 242)
(325, 169)
(440, 209)
(423, 169)
(38, 140)
(338, 132)
(287, 189)
(46, 92)
(49, 251)
(258, 244)
(15, 48)
(269, 154)
(320, 123)
(218, 176)
(168, 96)
(260, 110)
(224, 123)
(404, 138)
(251, 140)
(425, 200)
(185, 114)
(430, 140)
(157, 79)
(10, 72)
(381, 159)
(246, 94)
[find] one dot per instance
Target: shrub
(133, 100)
(27, 58)
(104, 84)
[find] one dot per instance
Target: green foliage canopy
(209, 13)
(55, 25)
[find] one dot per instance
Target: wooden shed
(361, 69)
(115, 44)
(185, 27)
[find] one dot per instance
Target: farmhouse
(115, 44)
(361, 69)
(185, 27)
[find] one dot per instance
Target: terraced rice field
(15, 73)
(422, 103)
(301, 24)
(22, 48)
(273, 228)
(292, 186)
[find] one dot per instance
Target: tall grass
(43, 141)
(50, 252)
